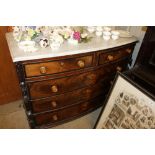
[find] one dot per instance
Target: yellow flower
(31, 32)
(66, 35)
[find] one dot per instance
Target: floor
(12, 116)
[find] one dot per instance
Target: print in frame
(128, 106)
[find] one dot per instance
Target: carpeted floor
(12, 116)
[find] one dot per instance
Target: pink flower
(77, 36)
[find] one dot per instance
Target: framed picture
(128, 106)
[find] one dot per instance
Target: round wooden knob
(118, 68)
(88, 91)
(54, 89)
(61, 63)
(128, 50)
(55, 117)
(54, 104)
(81, 63)
(42, 70)
(110, 57)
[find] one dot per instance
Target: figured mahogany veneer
(52, 87)
(58, 66)
(70, 98)
(64, 114)
(113, 56)
(60, 89)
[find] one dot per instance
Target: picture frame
(127, 106)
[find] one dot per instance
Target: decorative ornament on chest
(44, 42)
(31, 38)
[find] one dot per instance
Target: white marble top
(96, 43)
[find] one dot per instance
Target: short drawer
(67, 113)
(119, 66)
(111, 69)
(70, 98)
(58, 66)
(114, 55)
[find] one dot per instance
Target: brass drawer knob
(54, 89)
(42, 70)
(110, 57)
(55, 117)
(128, 50)
(118, 68)
(54, 104)
(81, 63)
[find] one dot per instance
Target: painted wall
(139, 33)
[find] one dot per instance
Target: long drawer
(63, 114)
(58, 66)
(51, 87)
(67, 99)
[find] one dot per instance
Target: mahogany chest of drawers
(59, 89)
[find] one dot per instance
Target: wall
(139, 33)
(9, 85)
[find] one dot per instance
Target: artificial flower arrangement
(76, 36)
(45, 36)
(22, 33)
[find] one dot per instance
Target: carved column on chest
(27, 105)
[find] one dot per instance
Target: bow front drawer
(67, 99)
(114, 55)
(58, 66)
(73, 111)
(51, 87)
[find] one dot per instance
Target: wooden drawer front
(52, 67)
(48, 88)
(70, 98)
(114, 55)
(111, 69)
(51, 87)
(119, 66)
(73, 111)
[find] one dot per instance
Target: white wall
(139, 33)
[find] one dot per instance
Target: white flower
(16, 29)
(57, 30)
(57, 38)
(38, 29)
(84, 35)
